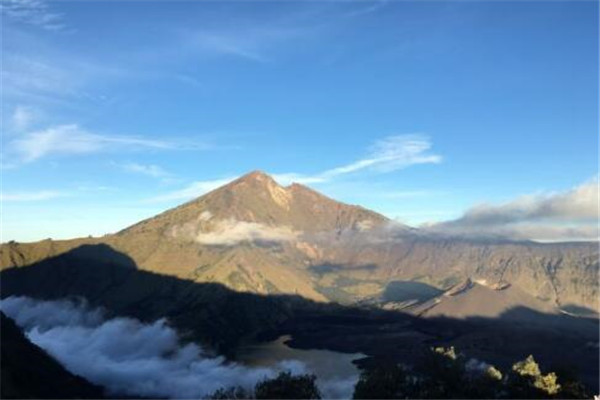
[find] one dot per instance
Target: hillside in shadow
(223, 319)
(28, 372)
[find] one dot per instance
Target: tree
(527, 381)
(288, 386)
(444, 374)
(390, 382)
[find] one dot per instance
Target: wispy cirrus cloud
(71, 139)
(39, 195)
(33, 12)
(22, 118)
(385, 155)
(568, 215)
(152, 170)
(371, 7)
(245, 47)
(194, 189)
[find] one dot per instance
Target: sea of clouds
(128, 357)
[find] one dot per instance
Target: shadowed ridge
(29, 372)
(215, 315)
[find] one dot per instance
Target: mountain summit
(257, 198)
(255, 235)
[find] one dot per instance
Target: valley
(253, 261)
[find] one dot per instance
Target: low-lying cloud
(568, 215)
(230, 232)
(131, 358)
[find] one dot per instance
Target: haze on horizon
(477, 117)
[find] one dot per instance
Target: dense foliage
(446, 374)
(443, 374)
(284, 386)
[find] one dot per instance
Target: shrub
(527, 381)
(390, 382)
(288, 386)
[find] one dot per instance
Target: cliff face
(254, 235)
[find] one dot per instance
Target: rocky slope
(255, 235)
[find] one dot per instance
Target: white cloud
(371, 8)
(152, 170)
(33, 12)
(71, 139)
(31, 196)
(22, 118)
(193, 190)
(569, 215)
(131, 358)
(238, 46)
(230, 232)
(386, 155)
(126, 356)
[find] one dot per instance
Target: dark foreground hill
(223, 319)
(28, 372)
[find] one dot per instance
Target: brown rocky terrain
(257, 236)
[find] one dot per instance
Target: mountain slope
(257, 236)
(28, 372)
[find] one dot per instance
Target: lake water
(336, 374)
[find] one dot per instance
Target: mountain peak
(256, 176)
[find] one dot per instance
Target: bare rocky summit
(255, 235)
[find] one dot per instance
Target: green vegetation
(284, 386)
(391, 382)
(288, 386)
(444, 373)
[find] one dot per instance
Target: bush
(444, 373)
(288, 386)
(526, 381)
(385, 383)
(284, 386)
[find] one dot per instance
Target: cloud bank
(568, 215)
(230, 232)
(130, 358)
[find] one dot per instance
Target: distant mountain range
(253, 235)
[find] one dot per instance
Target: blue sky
(115, 111)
